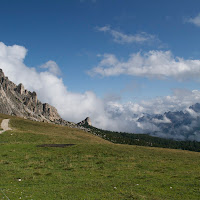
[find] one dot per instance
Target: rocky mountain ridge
(178, 125)
(16, 100)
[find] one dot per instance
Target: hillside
(143, 139)
(92, 168)
(15, 100)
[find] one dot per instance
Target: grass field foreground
(91, 169)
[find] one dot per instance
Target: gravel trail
(4, 125)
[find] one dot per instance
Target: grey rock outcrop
(16, 100)
(86, 121)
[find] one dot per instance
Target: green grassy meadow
(91, 169)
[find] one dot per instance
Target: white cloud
(192, 112)
(52, 67)
(157, 64)
(122, 38)
(165, 120)
(195, 20)
(179, 100)
(50, 88)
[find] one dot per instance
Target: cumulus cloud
(123, 38)
(106, 114)
(156, 64)
(52, 67)
(49, 87)
(133, 111)
(195, 20)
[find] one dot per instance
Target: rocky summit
(16, 100)
(86, 121)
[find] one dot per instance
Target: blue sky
(86, 37)
(65, 31)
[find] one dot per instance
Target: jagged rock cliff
(16, 100)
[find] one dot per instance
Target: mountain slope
(15, 100)
(91, 169)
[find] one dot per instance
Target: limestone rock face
(86, 121)
(16, 100)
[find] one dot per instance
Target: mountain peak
(16, 100)
(86, 121)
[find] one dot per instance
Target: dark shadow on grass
(55, 145)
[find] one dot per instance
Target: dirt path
(4, 125)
